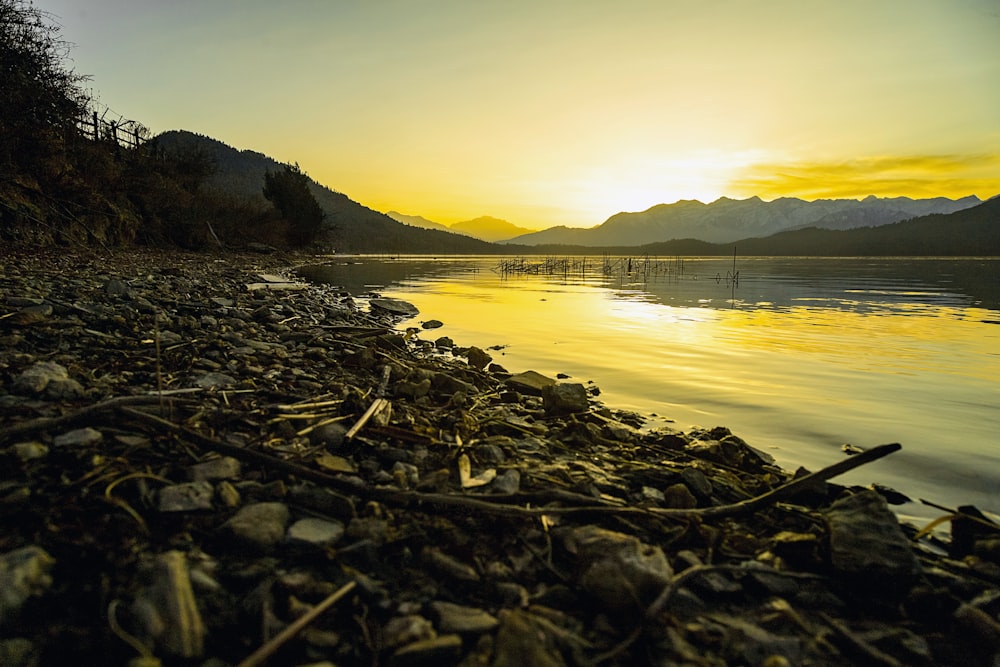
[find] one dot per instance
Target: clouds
(886, 176)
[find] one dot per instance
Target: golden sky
(546, 112)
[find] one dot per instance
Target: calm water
(798, 357)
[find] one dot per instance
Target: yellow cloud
(886, 176)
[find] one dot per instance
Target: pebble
(80, 437)
(225, 467)
(190, 497)
(462, 620)
(260, 526)
(24, 574)
(315, 532)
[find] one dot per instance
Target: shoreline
(185, 440)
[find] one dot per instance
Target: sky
(565, 112)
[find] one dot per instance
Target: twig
(43, 423)
(259, 656)
(377, 406)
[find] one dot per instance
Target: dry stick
(259, 656)
(42, 423)
(484, 505)
(377, 406)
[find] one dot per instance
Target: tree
(41, 97)
(288, 190)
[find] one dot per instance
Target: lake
(797, 356)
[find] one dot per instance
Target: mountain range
(485, 228)
(786, 226)
(726, 220)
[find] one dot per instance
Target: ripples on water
(797, 357)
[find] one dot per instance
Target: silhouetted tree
(42, 98)
(288, 190)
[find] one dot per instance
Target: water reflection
(798, 357)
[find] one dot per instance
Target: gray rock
(403, 630)
(24, 573)
(565, 398)
(529, 382)
(209, 380)
(444, 342)
(189, 497)
(81, 437)
(394, 307)
(432, 324)
(260, 526)
(315, 532)
(463, 620)
(330, 435)
(64, 389)
(868, 546)
(225, 467)
(507, 482)
(617, 568)
(34, 380)
(696, 481)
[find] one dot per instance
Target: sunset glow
(547, 113)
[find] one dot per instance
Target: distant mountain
(484, 228)
(726, 220)
(417, 221)
(490, 229)
(972, 231)
(351, 227)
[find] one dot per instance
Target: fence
(125, 133)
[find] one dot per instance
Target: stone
(24, 574)
(190, 497)
(315, 532)
(117, 287)
(678, 496)
(478, 358)
(444, 342)
(565, 398)
(34, 380)
(529, 382)
(330, 435)
(509, 481)
(867, 545)
(441, 650)
(29, 451)
(696, 481)
(523, 639)
(225, 467)
(81, 437)
(461, 619)
(260, 526)
(394, 307)
(432, 324)
(213, 379)
(618, 569)
(403, 630)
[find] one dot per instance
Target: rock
(24, 574)
(29, 451)
(116, 287)
(260, 526)
(330, 435)
(315, 532)
(678, 496)
(509, 481)
(394, 307)
(478, 358)
(225, 467)
(565, 398)
(696, 481)
(403, 630)
(81, 437)
(524, 639)
(529, 382)
(213, 379)
(444, 342)
(867, 545)
(432, 324)
(34, 380)
(617, 568)
(190, 497)
(447, 565)
(18, 652)
(462, 620)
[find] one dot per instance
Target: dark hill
(350, 226)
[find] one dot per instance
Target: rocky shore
(207, 462)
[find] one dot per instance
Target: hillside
(351, 227)
(485, 228)
(726, 220)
